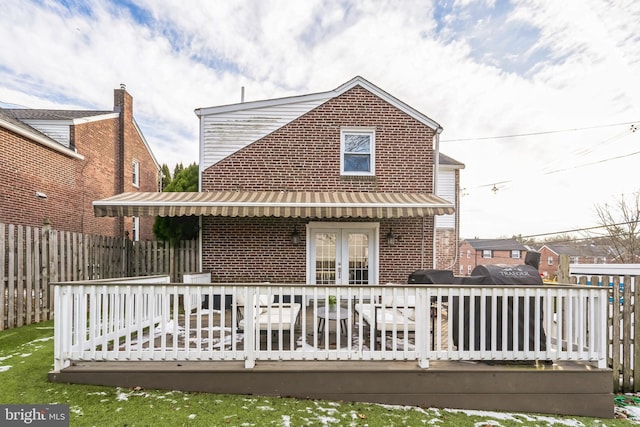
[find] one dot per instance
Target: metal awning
(303, 204)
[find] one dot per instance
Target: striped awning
(303, 204)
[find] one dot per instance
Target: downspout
(200, 163)
(436, 171)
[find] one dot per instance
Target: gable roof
(229, 128)
(583, 250)
(43, 114)
(449, 162)
(12, 124)
(496, 244)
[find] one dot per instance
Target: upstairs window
(136, 173)
(515, 254)
(357, 151)
(550, 260)
(487, 253)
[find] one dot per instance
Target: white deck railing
(137, 319)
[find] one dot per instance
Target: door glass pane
(358, 259)
(325, 258)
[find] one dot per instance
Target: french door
(342, 253)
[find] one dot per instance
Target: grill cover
(506, 276)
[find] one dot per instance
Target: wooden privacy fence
(623, 337)
(32, 258)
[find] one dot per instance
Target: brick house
(55, 163)
(578, 254)
(332, 187)
(474, 252)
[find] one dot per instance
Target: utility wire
(517, 135)
(579, 229)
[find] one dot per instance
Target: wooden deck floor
(213, 336)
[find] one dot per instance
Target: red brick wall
(304, 155)
(135, 149)
(71, 184)
(446, 249)
(260, 249)
(27, 167)
(548, 271)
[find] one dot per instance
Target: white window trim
(136, 173)
(359, 130)
(135, 229)
(516, 252)
(485, 251)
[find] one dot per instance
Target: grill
(492, 275)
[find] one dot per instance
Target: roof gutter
(41, 139)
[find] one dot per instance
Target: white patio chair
(268, 315)
(383, 316)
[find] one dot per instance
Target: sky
(539, 99)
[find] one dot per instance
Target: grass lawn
(26, 356)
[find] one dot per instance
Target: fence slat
(11, 277)
(32, 258)
(3, 283)
(626, 334)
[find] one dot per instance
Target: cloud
(479, 68)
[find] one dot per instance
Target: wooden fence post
(563, 268)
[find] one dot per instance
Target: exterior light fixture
(295, 237)
(391, 238)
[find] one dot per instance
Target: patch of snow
(328, 420)
(192, 416)
(633, 412)
(45, 339)
(5, 368)
(26, 354)
(265, 408)
(506, 416)
(286, 421)
(122, 396)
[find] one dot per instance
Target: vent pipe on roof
(123, 86)
(242, 94)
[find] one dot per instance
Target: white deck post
(249, 327)
(62, 328)
(423, 326)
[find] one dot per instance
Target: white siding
(54, 129)
(446, 190)
(225, 133)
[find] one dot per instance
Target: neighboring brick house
(55, 163)
(329, 188)
(474, 252)
(578, 254)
